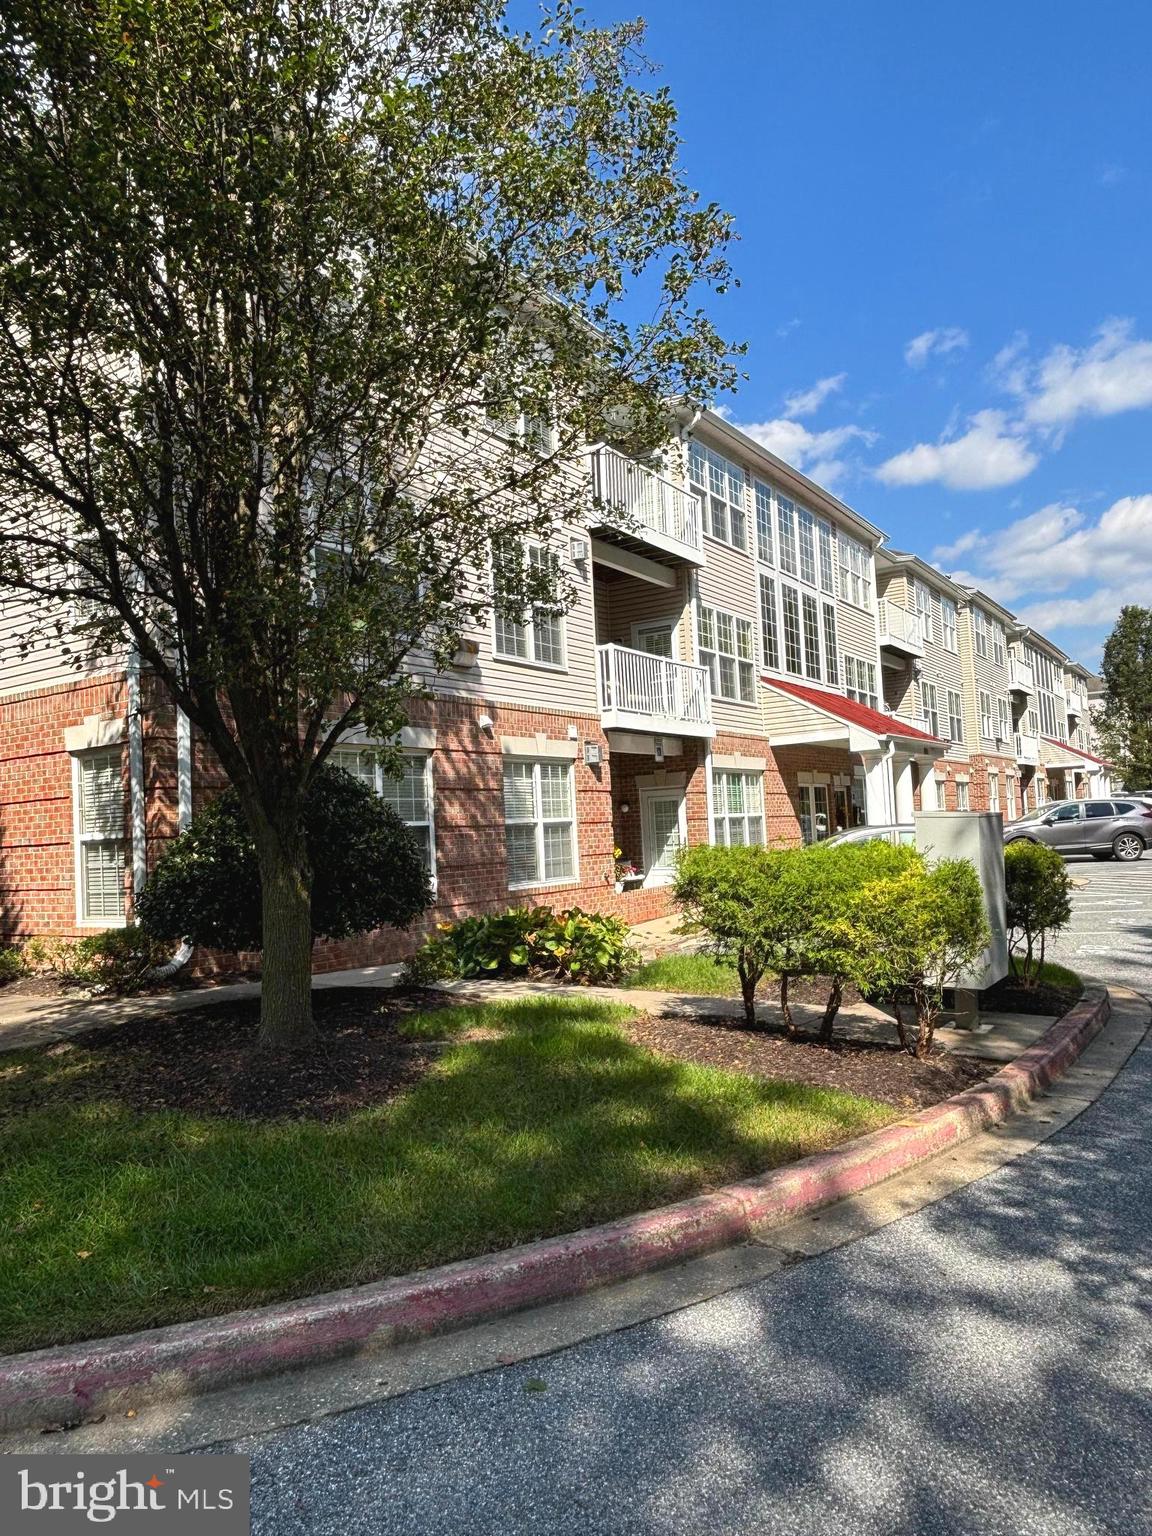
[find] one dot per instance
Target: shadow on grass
(114, 1219)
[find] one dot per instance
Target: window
(530, 427)
(922, 607)
(806, 525)
(769, 629)
(786, 528)
(855, 571)
(985, 714)
(827, 566)
(410, 796)
(1003, 719)
(955, 717)
(737, 808)
(1065, 812)
(1098, 809)
(811, 617)
(948, 624)
(813, 808)
(993, 791)
(831, 649)
(540, 824)
(998, 650)
(962, 801)
(793, 652)
(860, 681)
(725, 646)
(98, 786)
(931, 708)
(980, 632)
(764, 542)
(720, 486)
(540, 638)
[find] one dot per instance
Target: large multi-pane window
(810, 616)
(737, 807)
(948, 624)
(998, 648)
(786, 529)
(827, 564)
(539, 822)
(985, 714)
(724, 643)
(793, 649)
(855, 571)
(410, 795)
(931, 705)
(765, 542)
(720, 486)
(100, 841)
(860, 681)
(1049, 692)
(979, 632)
(537, 636)
(955, 716)
(831, 649)
(769, 624)
(1003, 719)
(922, 607)
(806, 532)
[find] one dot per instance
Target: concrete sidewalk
(29, 1021)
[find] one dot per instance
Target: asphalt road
(982, 1368)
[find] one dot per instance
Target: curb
(79, 1382)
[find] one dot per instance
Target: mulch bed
(1008, 996)
(204, 1061)
(874, 1071)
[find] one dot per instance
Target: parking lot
(1110, 935)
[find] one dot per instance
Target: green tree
(306, 308)
(1124, 720)
(1038, 892)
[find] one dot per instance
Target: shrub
(906, 936)
(1039, 902)
(367, 871)
(118, 959)
(11, 965)
(575, 945)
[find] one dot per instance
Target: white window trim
(538, 822)
(949, 632)
(79, 838)
(719, 768)
(528, 625)
(705, 494)
(987, 718)
(670, 621)
(361, 744)
(737, 660)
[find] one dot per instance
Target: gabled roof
(1078, 752)
(902, 559)
(849, 711)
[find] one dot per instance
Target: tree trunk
(785, 1006)
(901, 1032)
(925, 1028)
(832, 1008)
(748, 980)
(286, 990)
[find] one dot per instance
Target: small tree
(368, 871)
(749, 903)
(909, 935)
(1039, 902)
(1125, 718)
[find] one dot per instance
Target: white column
(904, 791)
(929, 793)
(879, 795)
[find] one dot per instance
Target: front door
(665, 831)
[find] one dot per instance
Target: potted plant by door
(626, 872)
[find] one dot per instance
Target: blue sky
(946, 265)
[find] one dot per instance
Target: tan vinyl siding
(981, 673)
(942, 667)
(43, 663)
(625, 602)
(857, 631)
(786, 716)
(728, 582)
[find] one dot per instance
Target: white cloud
(1112, 374)
(992, 452)
(938, 343)
(806, 401)
(816, 453)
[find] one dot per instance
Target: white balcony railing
(635, 498)
(1074, 703)
(900, 627)
(1027, 748)
(1020, 676)
(653, 693)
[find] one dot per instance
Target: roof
(900, 559)
(1078, 752)
(848, 710)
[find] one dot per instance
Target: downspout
(183, 817)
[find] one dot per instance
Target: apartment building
(743, 661)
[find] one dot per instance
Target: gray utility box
(977, 836)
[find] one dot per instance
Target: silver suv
(1106, 829)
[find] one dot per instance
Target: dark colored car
(1107, 829)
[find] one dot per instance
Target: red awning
(1078, 752)
(850, 712)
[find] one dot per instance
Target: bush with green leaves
(368, 871)
(1039, 901)
(12, 965)
(589, 947)
(117, 960)
(906, 936)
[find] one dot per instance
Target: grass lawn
(113, 1219)
(695, 975)
(1053, 975)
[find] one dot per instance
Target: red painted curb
(70, 1384)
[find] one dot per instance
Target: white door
(665, 831)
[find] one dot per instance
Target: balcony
(641, 692)
(1027, 748)
(900, 630)
(648, 512)
(1074, 703)
(1020, 678)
